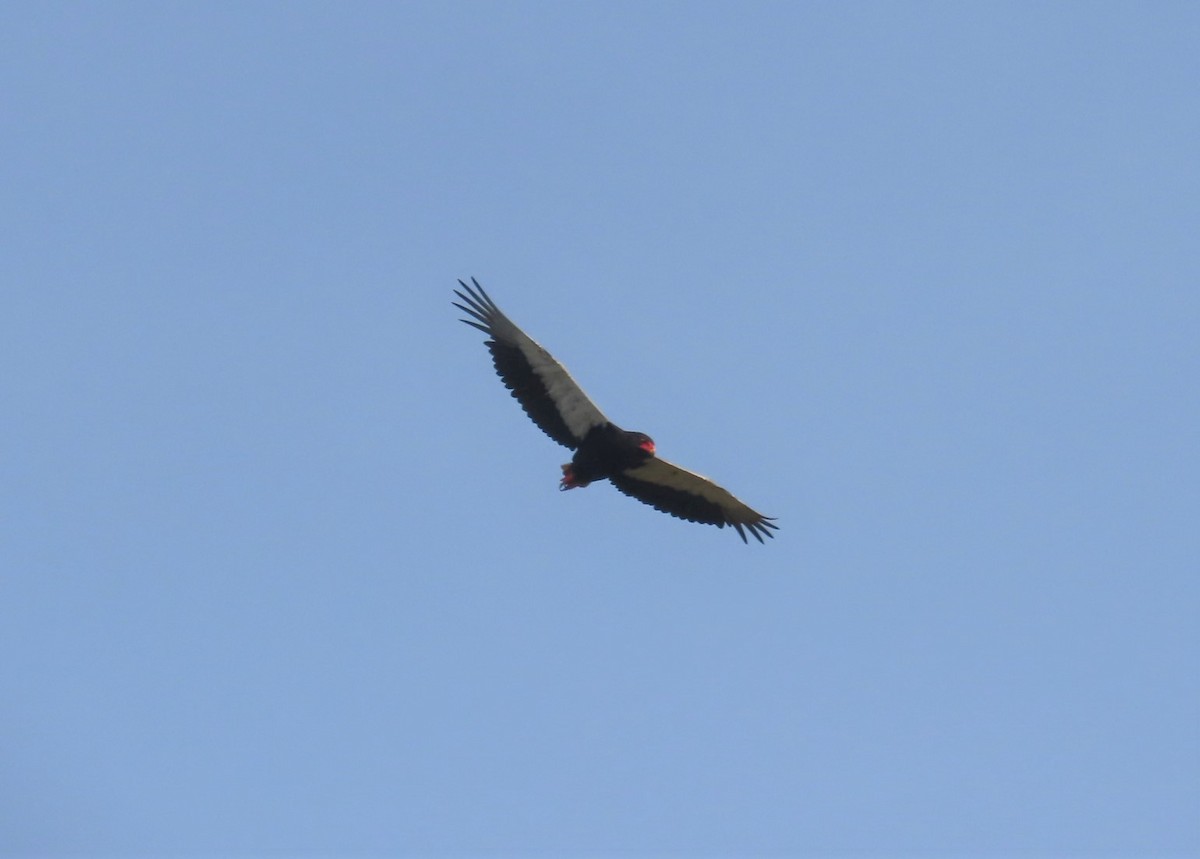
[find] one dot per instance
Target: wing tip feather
(477, 296)
(478, 304)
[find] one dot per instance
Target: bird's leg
(568, 479)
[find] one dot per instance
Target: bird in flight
(603, 450)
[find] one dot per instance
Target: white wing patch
(578, 412)
(663, 473)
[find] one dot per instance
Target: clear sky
(284, 568)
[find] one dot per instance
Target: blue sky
(284, 568)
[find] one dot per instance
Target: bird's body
(606, 452)
(556, 403)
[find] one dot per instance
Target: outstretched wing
(689, 496)
(540, 384)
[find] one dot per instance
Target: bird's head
(640, 439)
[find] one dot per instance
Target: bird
(560, 408)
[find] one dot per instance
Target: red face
(646, 444)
